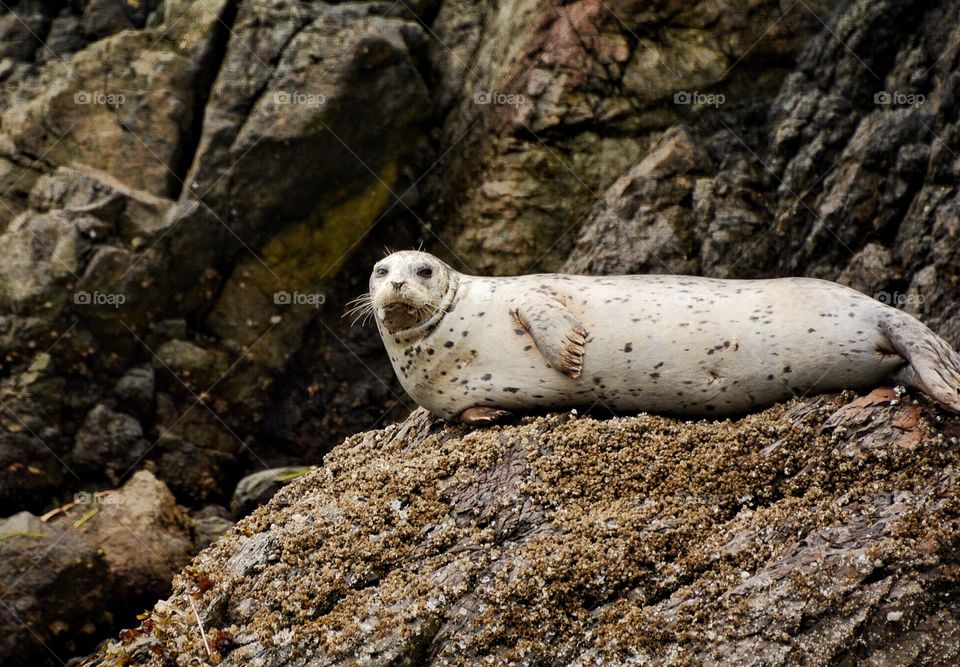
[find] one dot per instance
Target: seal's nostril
(397, 285)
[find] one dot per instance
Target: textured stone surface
(109, 442)
(847, 176)
(817, 532)
(67, 579)
(142, 535)
(560, 101)
(54, 586)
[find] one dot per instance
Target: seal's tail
(934, 367)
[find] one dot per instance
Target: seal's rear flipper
(934, 367)
(482, 416)
(558, 335)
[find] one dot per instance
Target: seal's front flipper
(558, 335)
(934, 367)
(481, 416)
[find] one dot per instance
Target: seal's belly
(663, 344)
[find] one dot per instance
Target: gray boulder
(256, 489)
(135, 391)
(209, 524)
(109, 442)
(56, 591)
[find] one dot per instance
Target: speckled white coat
(670, 344)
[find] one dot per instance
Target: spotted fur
(671, 344)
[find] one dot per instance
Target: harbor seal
(475, 348)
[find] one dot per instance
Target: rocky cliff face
(818, 532)
(191, 191)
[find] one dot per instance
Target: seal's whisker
(357, 314)
(357, 309)
(364, 299)
(360, 309)
(362, 318)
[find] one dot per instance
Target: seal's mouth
(397, 307)
(400, 315)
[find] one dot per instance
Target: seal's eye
(424, 272)
(381, 271)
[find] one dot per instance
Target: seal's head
(409, 291)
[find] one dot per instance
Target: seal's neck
(421, 329)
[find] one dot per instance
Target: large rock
(102, 241)
(66, 581)
(55, 589)
(645, 223)
(142, 534)
(347, 103)
(69, 256)
(551, 104)
(110, 443)
(94, 111)
(848, 174)
(816, 532)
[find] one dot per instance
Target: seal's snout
(399, 301)
(406, 289)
